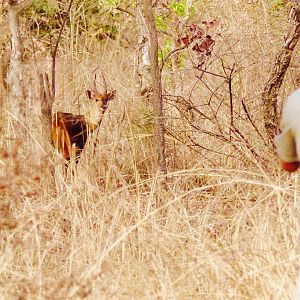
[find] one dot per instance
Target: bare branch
(125, 11)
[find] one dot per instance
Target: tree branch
(282, 62)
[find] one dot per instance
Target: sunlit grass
(221, 225)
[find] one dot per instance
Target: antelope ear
(91, 94)
(111, 95)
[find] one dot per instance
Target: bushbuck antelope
(70, 132)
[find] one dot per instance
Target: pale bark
(15, 83)
(143, 63)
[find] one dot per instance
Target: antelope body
(70, 132)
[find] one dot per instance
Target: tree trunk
(46, 110)
(17, 97)
(281, 65)
(156, 83)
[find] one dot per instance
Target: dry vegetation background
(226, 226)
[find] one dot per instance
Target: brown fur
(69, 129)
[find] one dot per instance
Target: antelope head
(101, 98)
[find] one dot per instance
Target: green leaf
(160, 23)
(160, 55)
(278, 4)
(111, 2)
(178, 8)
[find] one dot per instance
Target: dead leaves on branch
(200, 38)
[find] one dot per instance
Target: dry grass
(224, 229)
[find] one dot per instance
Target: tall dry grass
(224, 229)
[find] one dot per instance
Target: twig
(211, 73)
(124, 10)
(170, 54)
(252, 122)
(230, 97)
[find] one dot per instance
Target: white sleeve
(286, 146)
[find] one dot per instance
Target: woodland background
(220, 224)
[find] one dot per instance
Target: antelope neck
(93, 124)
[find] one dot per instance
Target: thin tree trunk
(156, 83)
(46, 110)
(282, 62)
(15, 72)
